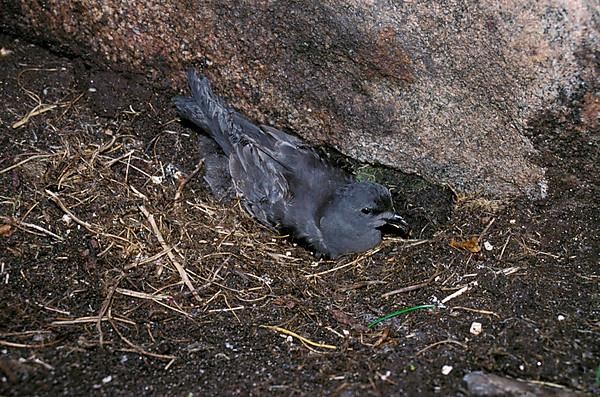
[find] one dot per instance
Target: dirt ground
(106, 228)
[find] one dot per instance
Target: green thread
(399, 312)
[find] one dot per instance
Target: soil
(101, 210)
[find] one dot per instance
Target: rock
(481, 384)
(445, 90)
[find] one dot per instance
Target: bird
(284, 184)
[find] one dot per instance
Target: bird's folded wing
(260, 180)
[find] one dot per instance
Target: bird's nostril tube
(397, 219)
(396, 222)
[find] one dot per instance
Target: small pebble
(476, 328)
(561, 317)
(446, 369)
(488, 246)
(107, 379)
(385, 376)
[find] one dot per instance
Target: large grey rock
(443, 89)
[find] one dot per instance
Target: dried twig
(37, 110)
(301, 338)
(105, 305)
(410, 287)
(182, 273)
(54, 197)
(24, 225)
(440, 343)
(184, 182)
(504, 248)
(354, 262)
(480, 311)
(485, 230)
(459, 292)
(28, 159)
(141, 295)
(26, 346)
(90, 319)
(139, 349)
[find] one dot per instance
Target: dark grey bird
(286, 185)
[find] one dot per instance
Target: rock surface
(481, 384)
(444, 90)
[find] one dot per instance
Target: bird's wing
(306, 169)
(260, 179)
(281, 136)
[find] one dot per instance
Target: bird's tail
(206, 110)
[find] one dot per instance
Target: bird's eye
(366, 210)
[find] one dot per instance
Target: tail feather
(206, 110)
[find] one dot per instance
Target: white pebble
(446, 369)
(561, 317)
(476, 328)
(107, 379)
(488, 246)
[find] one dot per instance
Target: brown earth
(92, 304)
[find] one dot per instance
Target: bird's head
(371, 203)
(356, 214)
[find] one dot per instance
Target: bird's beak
(396, 221)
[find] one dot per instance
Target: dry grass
(195, 254)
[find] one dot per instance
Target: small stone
(92, 89)
(561, 317)
(66, 219)
(512, 221)
(476, 328)
(157, 180)
(488, 246)
(107, 379)
(446, 369)
(385, 376)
